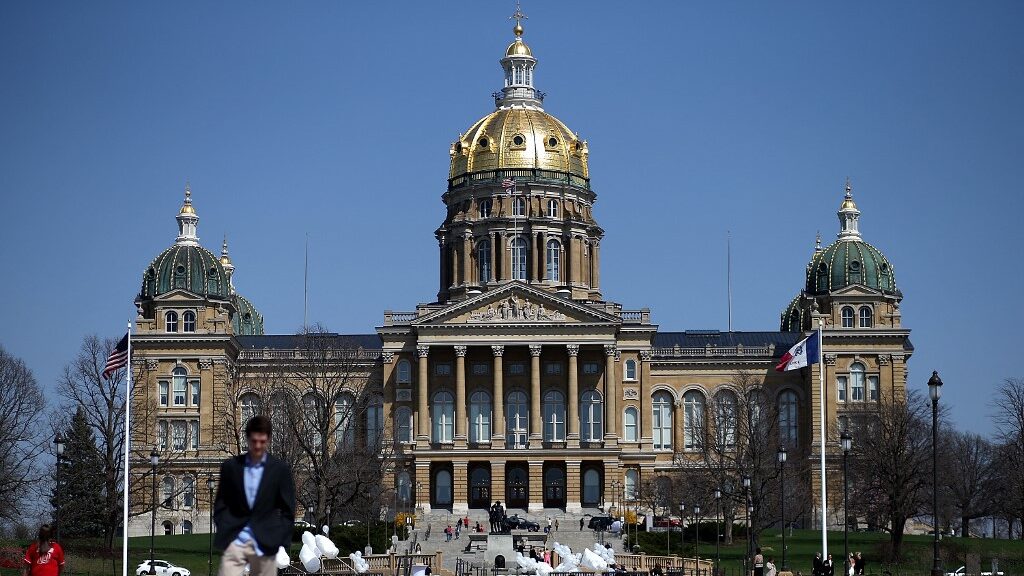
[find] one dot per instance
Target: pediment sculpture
(512, 309)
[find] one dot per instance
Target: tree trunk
(727, 537)
(965, 527)
(898, 524)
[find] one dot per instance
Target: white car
(163, 568)
(962, 571)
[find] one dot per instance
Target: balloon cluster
(314, 547)
(538, 567)
(596, 559)
(358, 563)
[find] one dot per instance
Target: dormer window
(188, 321)
(865, 317)
(847, 317)
(171, 321)
(552, 208)
(485, 208)
(519, 207)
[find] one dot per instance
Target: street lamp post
(718, 528)
(154, 459)
(782, 473)
(934, 391)
(58, 442)
(682, 533)
(696, 541)
(750, 512)
(210, 484)
(847, 442)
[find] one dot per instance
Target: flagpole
(127, 438)
(821, 419)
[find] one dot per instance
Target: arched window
(554, 416)
(592, 487)
(629, 425)
(847, 315)
(404, 487)
(186, 527)
(693, 420)
(517, 419)
(250, 405)
(374, 422)
(168, 528)
(631, 481)
(590, 417)
(757, 407)
(518, 258)
(188, 491)
(485, 208)
(443, 488)
(480, 416)
(857, 382)
(444, 419)
(552, 208)
(193, 434)
(403, 424)
(171, 322)
(725, 419)
(404, 371)
(178, 435)
(188, 321)
(344, 435)
(865, 317)
(661, 420)
(554, 251)
(519, 207)
(630, 370)
(178, 379)
(167, 495)
(278, 413)
(483, 260)
(788, 418)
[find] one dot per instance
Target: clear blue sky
(334, 119)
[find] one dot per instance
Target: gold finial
(224, 258)
(817, 242)
(848, 203)
(187, 208)
(849, 188)
(518, 16)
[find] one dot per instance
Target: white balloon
(326, 529)
(326, 546)
(282, 559)
(358, 563)
(309, 558)
(308, 539)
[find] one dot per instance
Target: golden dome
(519, 137)
(518, 48)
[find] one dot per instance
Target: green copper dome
(847, 262)
(793, 317)
(247, 321)
(187, 267)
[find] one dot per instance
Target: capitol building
(521, 380)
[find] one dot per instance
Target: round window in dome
(854, 265)
(552, 142)
(484, 142)
(458, 147)
(180, 269)
(885, 267)
(518, 140)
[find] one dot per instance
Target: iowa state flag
(804, 353)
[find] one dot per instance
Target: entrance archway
(480, 487)
(554, 487)
(517, 486)
(591, 488)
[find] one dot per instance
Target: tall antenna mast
(728, 272)
(305, 286)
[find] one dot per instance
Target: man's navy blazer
(272, 516)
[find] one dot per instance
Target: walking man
(255, 506)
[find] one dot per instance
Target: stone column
(645, 409)
(536, 421)
(536, 486)
(460, 395)
(467, 251)
(498, 420)
(611, 394)
(542, 258)
(573, 488)
(494, 261)
(498, 481)
(597, 265)
(441, 248)
(677, 426)
(453, 258)
(422, 484)
(423, 408)
(573, 408)
(460, 487)
(570, 261)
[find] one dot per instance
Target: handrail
(713, 351)
(521, 175)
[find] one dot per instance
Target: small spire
(848, 216)
(817, 242)
(224, 250)
(225, 261)
(187, 220)
(518, 16)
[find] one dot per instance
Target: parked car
(163, 568)
(600, 523)
(302, 524)
(514, 522)
(962, 571)
(667, 522)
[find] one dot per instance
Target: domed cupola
(849, 260)
(186, 265)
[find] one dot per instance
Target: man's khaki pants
(236, 557)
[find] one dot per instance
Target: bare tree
(21, 434)
(891, 462)
(970, 459)
(1008, 412)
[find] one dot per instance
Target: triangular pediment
(856, 290)
(515, 303)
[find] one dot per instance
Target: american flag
(509, 184)
(118, 358)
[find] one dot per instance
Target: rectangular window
(841, 388)
(161, 435)
(178, 435)
(443, 369)
(193, 434)
(553, 368)
(517, 368)
(481, 368)
(857, 388)
(591, 367)
(179, 391)
(164, 387)
(194, 384)
(873, 388)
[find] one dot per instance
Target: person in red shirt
(44, 557)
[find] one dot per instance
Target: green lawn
(802, 544)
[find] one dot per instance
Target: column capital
(535, 349)
(460, 351)
(573, 349)
(611, 350)
(422, 351)
(645, 355)
(387, 357)
(498, 350)
(830, 359)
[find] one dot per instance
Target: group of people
(855, 565)
(460, 525)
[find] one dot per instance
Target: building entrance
(517, 486)
(554, 487)
(480, 487)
